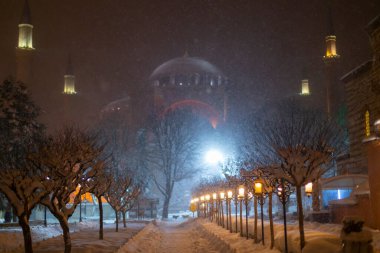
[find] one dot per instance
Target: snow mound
(147, 241)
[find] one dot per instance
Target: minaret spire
(330, 23)
(26, 17)
(330, 39)
(25, 29)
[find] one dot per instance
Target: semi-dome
(187, 70)
(185, 65)
(119, 105)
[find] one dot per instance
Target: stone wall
(362, 87)
(361, 209)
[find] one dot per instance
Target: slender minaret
(305, 89)
(69, 79)
(70, 111)
(24, 49)
(333, 91)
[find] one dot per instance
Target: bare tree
(128, 201)
(172, 153)
(71, 157)
(101, 184)
(20, 181)
(121, 194)
(303, 145)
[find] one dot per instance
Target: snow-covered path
(184, 237)
(174, 237)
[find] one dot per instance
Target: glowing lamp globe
(258, 187)
(241, 192)
(309, 189)
(229, 194)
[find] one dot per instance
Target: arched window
(367, 123)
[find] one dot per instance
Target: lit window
(367, 123)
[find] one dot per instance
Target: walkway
(183, 238)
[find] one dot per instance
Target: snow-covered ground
(203, 236)
(179, 236)
(84, 237)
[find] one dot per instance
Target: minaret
(24, 49)
(305, 88)
(331, 57)
(69, 79)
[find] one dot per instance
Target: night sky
(263, 46)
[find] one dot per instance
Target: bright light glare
(214, 156)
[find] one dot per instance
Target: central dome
(185, 66)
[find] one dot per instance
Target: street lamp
(283, 190)
(207, 198)
(196, 201)
(214, 207)
(241, 192)
(259, 192)
(202, 200)
(222, 196)
(229, 197)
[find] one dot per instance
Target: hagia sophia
(194, 82)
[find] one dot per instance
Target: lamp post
(196, 202)
(283, 190)
(80, 210)
(202, 199)
(214, 207)
(240, 197)
(229, 198)
(236, 210)
(259, 192)
(227, 215)
(222, 195)
(207, 199)
(246, 201)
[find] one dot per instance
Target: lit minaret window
(305, 90)
(367, 123)
(69, 85)
(25, 29)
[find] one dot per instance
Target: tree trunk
(100, 217)
(124, 221)
(270, 215)
(66, 233)
(14, 215)
(117, 221)
(165, 210)
(24, 223)
(300, 217)
(255, 223)
(316, 203)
